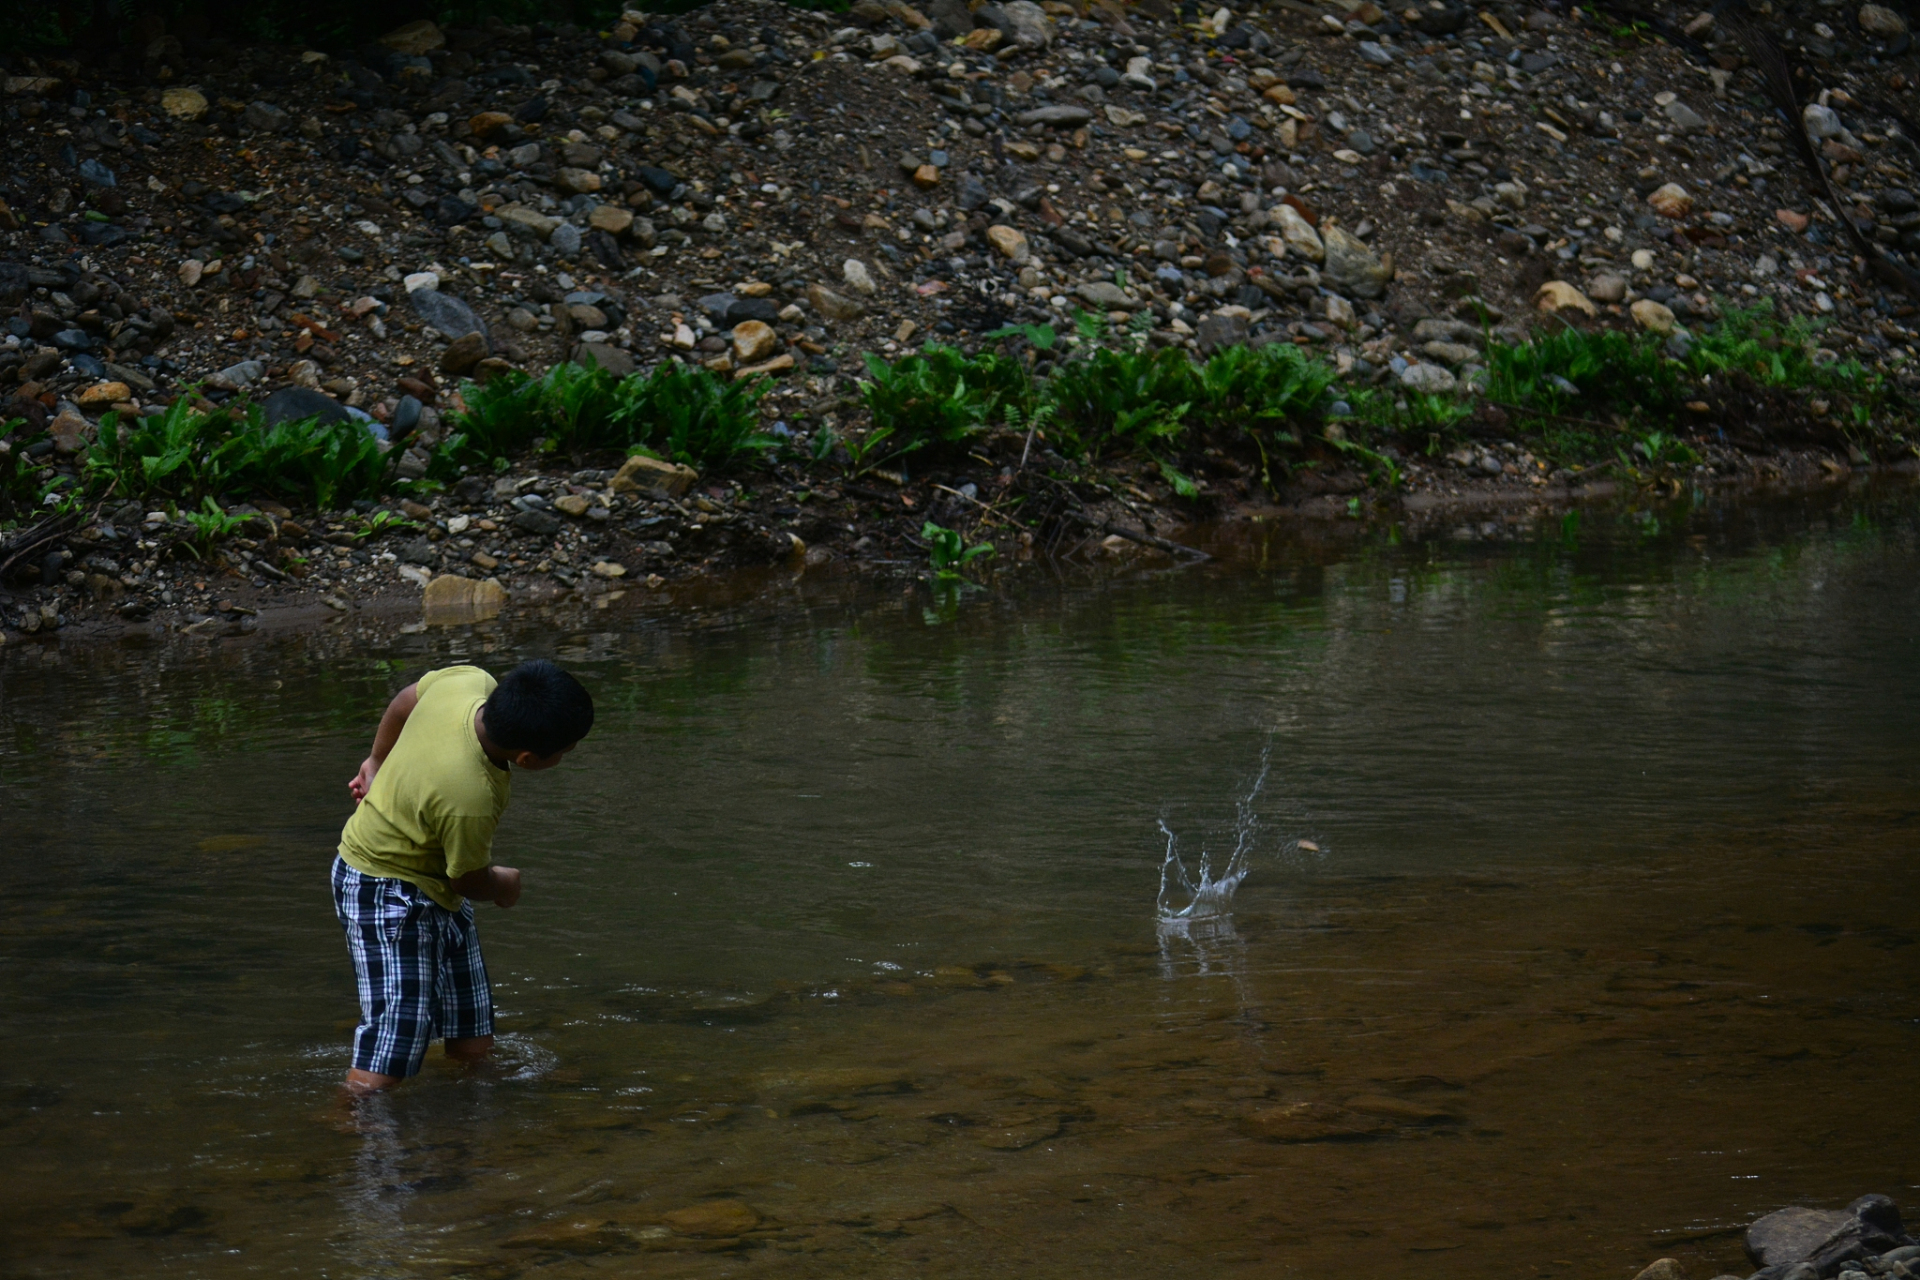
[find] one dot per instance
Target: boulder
(1878, 20)
(833, 306)
(1104, 294)
(1792, 1235)
(446, 314)
(1010, 243)
(1059, 117)
(1032, 28)
(1671, 201)
(1351, 267)
(1221, 329)
(1653, 316)
(1558, 295)
(464, 352)
(415, 39)
(617, 361)
(653, 478)
(753, 341)
(1299, 234)
(452, 598)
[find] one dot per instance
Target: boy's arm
(391, 723)
(500, 885)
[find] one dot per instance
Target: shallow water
(841, 928)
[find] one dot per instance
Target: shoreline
(218, 600)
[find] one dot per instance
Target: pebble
(855, 273)
(1299, 234)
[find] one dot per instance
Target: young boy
(420, 845)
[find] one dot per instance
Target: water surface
(841, 929)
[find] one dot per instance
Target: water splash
(1209, 895)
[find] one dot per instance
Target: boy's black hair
(538, 707)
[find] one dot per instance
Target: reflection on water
(836, 956)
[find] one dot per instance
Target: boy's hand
(363, 781)
(498, 885)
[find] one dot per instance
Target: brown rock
(70, 433)
(926, 177)
(572, 504)
(1663, 1269)
(1607, 286)
(654, 478)
(753, 341)
(452, 598)
(1653, 316)
(1876, 19)
(610, 218)
(715, 1218)
(1558, 295)
(489, 369)
(1794, 222)
(102, 394)
(1671, 201)
(833, 306)
(1011, 244)
(583, 181)
(415, 38)
(462, 354)
(779, 364)
(488, 123)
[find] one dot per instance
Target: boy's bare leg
(361, 1082)
(470, 1049)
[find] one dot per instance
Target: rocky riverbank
(773, 192)
(1865, 1241)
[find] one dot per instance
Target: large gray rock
(1104, 293)
(448, 315)
(290, 404)
(1352, 268)
(1217, 331)
(1792, 1235)
(1060, 117)
(951, 18)
(1032, 29)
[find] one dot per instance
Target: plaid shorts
(418, 967)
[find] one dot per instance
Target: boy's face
(532, 763)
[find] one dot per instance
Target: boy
(420, 845)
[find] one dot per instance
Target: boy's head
(537, 713)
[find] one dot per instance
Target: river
(1578, 926)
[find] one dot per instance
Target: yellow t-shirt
(429, 817)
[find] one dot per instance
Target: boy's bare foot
(361, 1083)
(471, 1050)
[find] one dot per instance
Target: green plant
(692, 416)
(1663, 450)
(210, 524)
(948, 551)
(682, 412)
(941, 397)
(1605, 371)
(1132, 397)
(1263, 386)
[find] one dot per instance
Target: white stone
(855, 273)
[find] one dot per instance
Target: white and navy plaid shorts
(418, 966)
